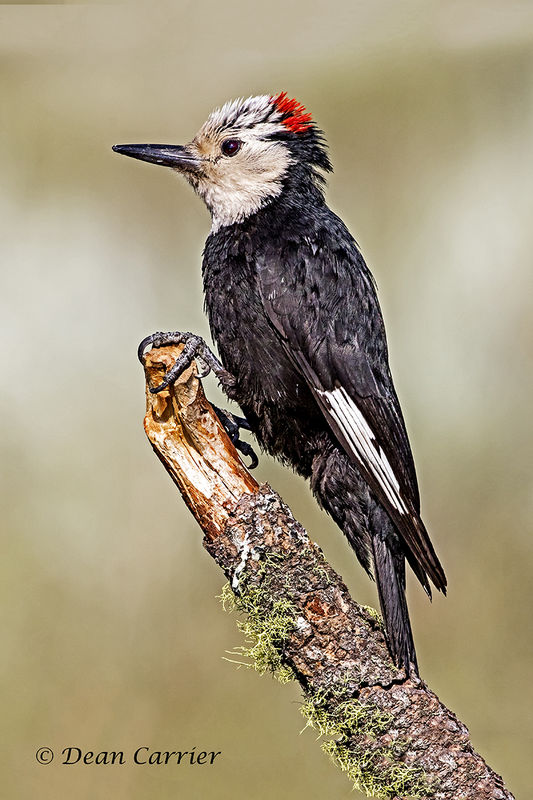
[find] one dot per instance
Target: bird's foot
(232, 424)
(195, 349)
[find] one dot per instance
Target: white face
(236, 185)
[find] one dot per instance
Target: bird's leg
(232, 425)
(196, 348)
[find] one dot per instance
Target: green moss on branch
(373, 770)
(267, 625)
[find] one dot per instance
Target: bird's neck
(302, 187)
(229, 208)
(298, 191)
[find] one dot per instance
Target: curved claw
(231, 424)
(157, 389)
(249, 451)
(202, 368)
(142, 347)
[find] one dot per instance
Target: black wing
(322, 302)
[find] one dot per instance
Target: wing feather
(336, 339)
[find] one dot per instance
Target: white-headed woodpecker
(293, 309)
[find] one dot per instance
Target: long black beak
(168, 155)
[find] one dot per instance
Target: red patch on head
(294, 114)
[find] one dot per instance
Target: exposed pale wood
(192, 444)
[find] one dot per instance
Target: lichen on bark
(270, 620)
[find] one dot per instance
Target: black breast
(269, 388)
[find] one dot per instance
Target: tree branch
(389, 732)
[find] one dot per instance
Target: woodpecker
(293, 309)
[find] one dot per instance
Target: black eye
(231, 147)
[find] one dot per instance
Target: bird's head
(245, 155)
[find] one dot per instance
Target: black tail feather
(389, 569)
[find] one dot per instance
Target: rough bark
(389, 732)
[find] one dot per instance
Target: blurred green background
(112, 636)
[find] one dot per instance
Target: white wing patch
(361, 439)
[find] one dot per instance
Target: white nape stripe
(359, 435)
